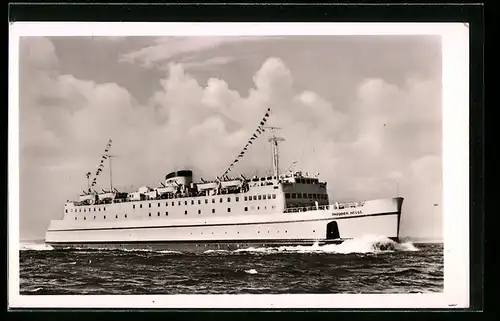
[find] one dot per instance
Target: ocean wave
(251, 271)
(35, 247)
(363, 245)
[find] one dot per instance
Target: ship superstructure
(226, 213)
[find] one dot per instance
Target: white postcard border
(455, 46)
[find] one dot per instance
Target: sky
(362, 111)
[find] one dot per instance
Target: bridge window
(294, 195)
(173, 203)
(94, 209)
(287, 195)
(264, 196)
(158, 204)
(274, 196)
(260, 197)
(309, 196)
(179, 203)
(192, 202)
(255, 197)
(315, 196)
(237, 198)
(84, 210)
(133, 206)
(99, 209)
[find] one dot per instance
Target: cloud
(208, 63)
(166, 48)
(388, 134)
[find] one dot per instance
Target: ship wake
(366, 244)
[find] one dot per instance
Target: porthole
(116, 216)
(158, 213)
(213, 210)
(149, 214)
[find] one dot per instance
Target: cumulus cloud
(389, 134)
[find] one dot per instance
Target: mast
(110, 173)
(275, 150)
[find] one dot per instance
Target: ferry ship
(226, 213)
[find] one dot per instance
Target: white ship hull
(380, 217)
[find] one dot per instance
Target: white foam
(365, 244)
(251, 271)
(35, 247)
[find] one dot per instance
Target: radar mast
(275, 150)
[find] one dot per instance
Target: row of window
(96, 209)
(260, 197)
(85, 218)
(306, 196)
(185, 212)
(179, 203)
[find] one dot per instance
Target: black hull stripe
(275, 241)
(221, 224)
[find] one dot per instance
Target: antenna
(275, 149)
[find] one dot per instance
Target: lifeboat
(231, 184)
(206, 186)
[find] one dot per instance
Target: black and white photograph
(238, 161)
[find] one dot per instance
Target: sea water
(370, 264)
